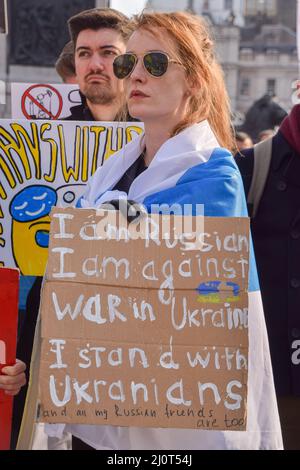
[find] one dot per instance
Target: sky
(128, 7)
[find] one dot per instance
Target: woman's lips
(138, 94)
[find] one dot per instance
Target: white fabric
(189, 148)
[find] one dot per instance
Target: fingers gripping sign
(13, 378)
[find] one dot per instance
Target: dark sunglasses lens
(156, 63)
(123, 65)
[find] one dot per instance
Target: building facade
(272, 11)
(268, 63)
(256, 58)
(256, 46)
(220, 11)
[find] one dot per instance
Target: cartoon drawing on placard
(30, 212)
(42, 164)
(218, 292)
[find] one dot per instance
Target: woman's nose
(138, 73)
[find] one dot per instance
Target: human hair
(242, 136)
(195, 51)
(97, 18)
(65, 65)
(266, 134)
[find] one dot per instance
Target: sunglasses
(155, 63)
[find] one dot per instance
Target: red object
(290, 128)
(9, 290)
(27, 97)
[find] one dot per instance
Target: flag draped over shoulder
(190, 168)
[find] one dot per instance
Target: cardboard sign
(43, 101)
(9, 286)
(146, 331)
(46, 163)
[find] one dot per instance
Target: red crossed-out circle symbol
(29, 99)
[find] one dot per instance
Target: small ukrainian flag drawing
(218, 292)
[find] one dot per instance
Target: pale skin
(94, 55)
(163, 101)
(71, 80)
(12, 378)
(247, 143)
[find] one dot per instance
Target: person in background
(265, 113)
(174, 84)
(65, 64)
(243, 140)
(266, 134)
(276, 236)
(98, 39)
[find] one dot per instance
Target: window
(271, 86)
(272, 55)
(270, 7)
(246, 54)
(253, 7)
(245, 86)
(228, 5)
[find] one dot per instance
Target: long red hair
(195, 50)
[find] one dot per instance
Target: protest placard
(46, 163)
(43, 100)
(9, 286)
(144, 330)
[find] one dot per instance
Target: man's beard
(99, 93)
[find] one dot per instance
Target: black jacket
(276, 237)
(80, 112)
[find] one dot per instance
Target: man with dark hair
(98, 37)
(65, 64)
(95, 19)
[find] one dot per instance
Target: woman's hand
(12, 378)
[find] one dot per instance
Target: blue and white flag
(191, 168)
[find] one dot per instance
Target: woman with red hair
(174, 84)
